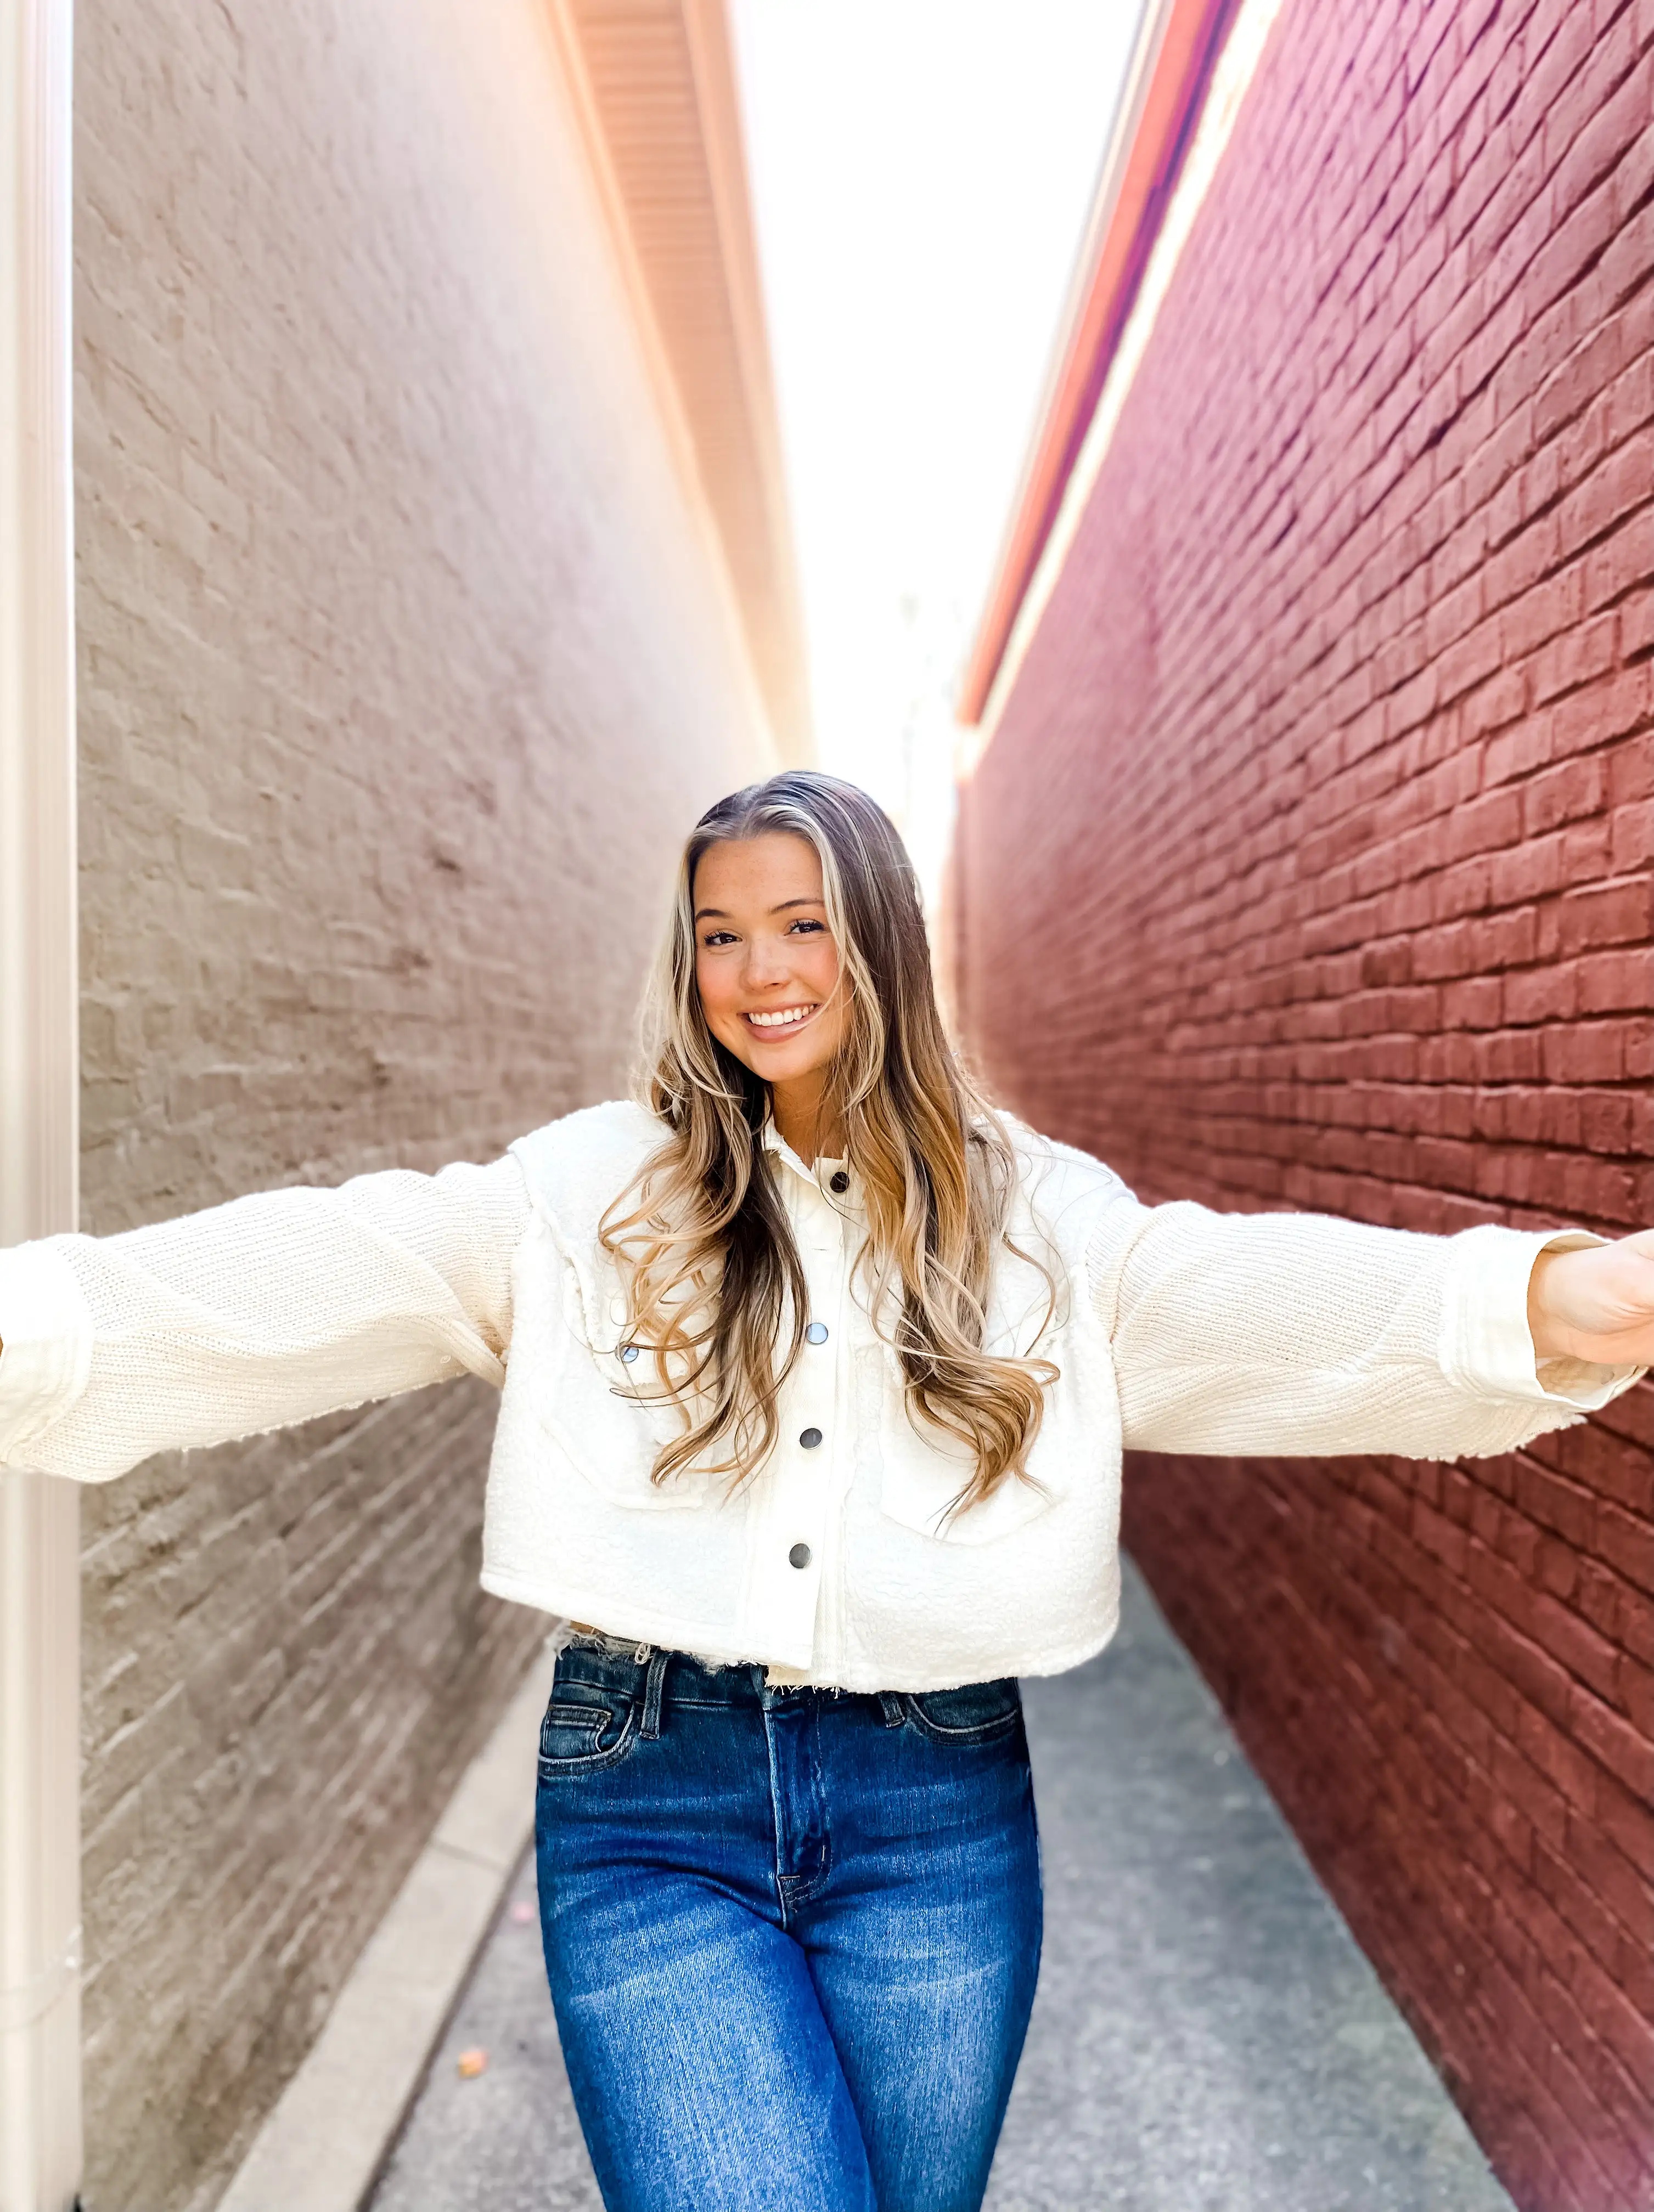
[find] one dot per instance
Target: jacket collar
(815, 1176)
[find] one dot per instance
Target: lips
(781, 1021)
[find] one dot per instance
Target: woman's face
(765, 961)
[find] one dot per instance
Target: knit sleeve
(1295, 1332)
(253, 1314)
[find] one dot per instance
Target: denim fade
(792, 1935)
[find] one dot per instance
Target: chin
(782, 1062)
(782, 1067)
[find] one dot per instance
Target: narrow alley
(1171, 484)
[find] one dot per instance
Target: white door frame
(39, 1570)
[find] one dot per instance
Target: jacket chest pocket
(922, 1472)
(612, 1438)
(595, 1392)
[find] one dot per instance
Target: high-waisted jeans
(792, 1935)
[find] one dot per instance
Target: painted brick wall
(1310, 867)
(402, 671)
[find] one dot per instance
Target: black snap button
(810, 1439)
(816, 1333)
(798, 1556)
(628, 1352)
(838, 1180)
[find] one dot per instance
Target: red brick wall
(1309, 866)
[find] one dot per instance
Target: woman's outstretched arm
(1294, 1333)
(253, 1314)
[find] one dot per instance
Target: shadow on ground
(1207, 2038)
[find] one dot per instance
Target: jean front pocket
(977, 1712)
(585, 1728)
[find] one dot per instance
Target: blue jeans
(792, 1935)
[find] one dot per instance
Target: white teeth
(783, 1017)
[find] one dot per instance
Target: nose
(766, 964)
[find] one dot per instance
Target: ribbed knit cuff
(1485, 1346)
(45, 1344)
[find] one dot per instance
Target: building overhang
(654, 84)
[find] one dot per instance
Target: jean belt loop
(891, 1703)
(653, 1690)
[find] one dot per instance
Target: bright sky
(921, 172)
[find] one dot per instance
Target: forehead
(757, 872)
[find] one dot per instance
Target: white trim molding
(40, 1567)
(654, 93)
(1231, 80)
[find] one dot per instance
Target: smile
(783, 1020)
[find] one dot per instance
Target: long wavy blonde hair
(713, 1281)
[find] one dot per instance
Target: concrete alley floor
(1207, 2036)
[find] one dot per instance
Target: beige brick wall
(402, 667)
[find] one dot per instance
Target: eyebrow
(717, 914)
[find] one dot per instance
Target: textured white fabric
(1296, 1332)
(263, 1312)
(47, 1331)
(1174, 1328)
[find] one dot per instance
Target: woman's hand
(1595, 1304)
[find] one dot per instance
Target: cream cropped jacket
(1175, 1328)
